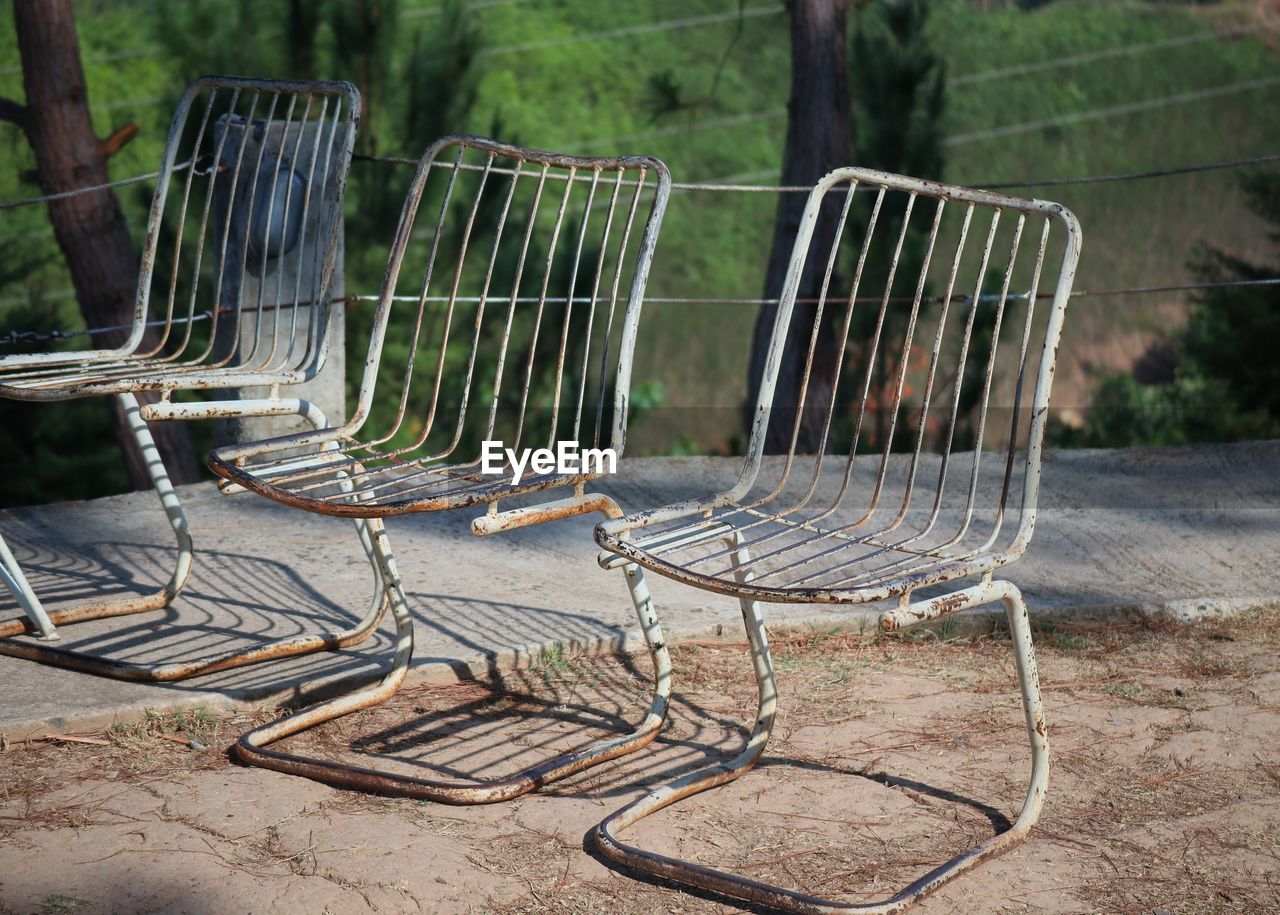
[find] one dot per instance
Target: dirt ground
(891, 755)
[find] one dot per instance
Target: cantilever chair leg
(606, 834)
(122, 670)
(11, 577)
(252, 746)
(38, 617)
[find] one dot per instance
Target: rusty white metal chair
(522, 291)
(839, 518)
(233, 292)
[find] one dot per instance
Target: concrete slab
(1187, 532)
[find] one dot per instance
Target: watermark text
(567, 459)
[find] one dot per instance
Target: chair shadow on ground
(507, 720)
(232, 600)
(498, 723)
(493, 722)
(998, 820)
(497, 720)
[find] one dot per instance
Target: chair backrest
(511, 299)
(909, 371)
(244, 225)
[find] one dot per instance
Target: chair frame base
(742, 888)
(46, 622)
(252, 746)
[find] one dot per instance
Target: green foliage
(59, 451)
(1226, 386)
(441, 77)
(899, 89)
(982, 339)
(1191, 408)
(358, 40)
(242, 36)
(472, 370)
(365, 33)
(301, 28)
(47, 455)
(1234, 333)
(665, 95)
(57, 903)
(576, 97)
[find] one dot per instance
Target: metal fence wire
(19, 336)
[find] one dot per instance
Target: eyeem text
(567, 459)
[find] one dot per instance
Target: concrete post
(245, 279)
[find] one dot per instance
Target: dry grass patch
(890, 755)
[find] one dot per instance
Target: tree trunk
(818, 140)
(90, 228)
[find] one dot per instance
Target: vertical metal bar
(1020, 378)
(613, 301)
(146, 267)
(516, 173)
(318, 336)
(542, 299)
(935, 352)
(386, 296)
(807, 375)
(568, 308)
(220, 259)
(903, 364)
(979, 433)
(179, 231)
(871, 359)
(511, 307)
(595, 296)
(447, 322)
(780, 485)
(1044, 377)
(221, 262)
(905, 361)
(314, 329)
(201, 233)
(635, 302)
(280, 304)
(235, 354)
(962, 358)
(848, 324)
(249, 357)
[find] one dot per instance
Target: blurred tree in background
(899, 90)
(893, 96)
(91, 230)
(817, 140)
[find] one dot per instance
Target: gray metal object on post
(264, 256)
(903, 351)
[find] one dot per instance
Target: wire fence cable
(17, 336)
(33, 336)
